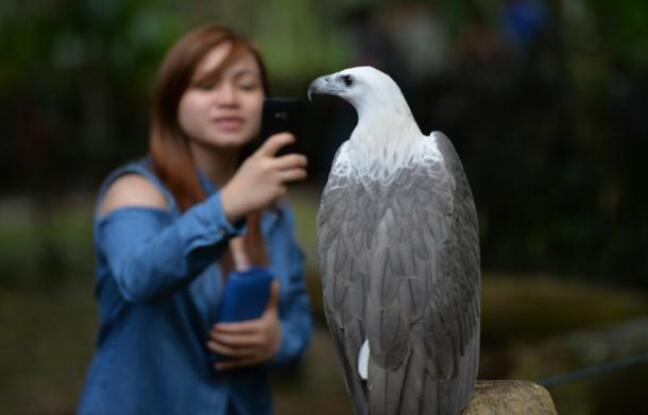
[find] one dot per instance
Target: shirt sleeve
(294, 308)
(150, 255)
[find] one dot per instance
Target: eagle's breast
(371, 160)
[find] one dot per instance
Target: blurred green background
(546, 102)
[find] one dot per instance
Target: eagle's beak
(320, 85)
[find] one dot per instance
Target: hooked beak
(322, 85)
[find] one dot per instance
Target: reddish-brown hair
(169, 145)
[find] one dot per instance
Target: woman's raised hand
(262, 178)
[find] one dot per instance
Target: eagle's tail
(412, 389)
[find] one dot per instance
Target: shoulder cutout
(131, 190)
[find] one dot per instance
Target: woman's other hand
(262, 178)
(250, 342)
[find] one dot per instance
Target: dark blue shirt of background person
(170, 227)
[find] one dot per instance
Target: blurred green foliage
(552, 136)
(41, 244)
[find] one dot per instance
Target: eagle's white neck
(385, 130)
(385, 138)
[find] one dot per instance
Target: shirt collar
(205, 183)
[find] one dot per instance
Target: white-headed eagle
(398, 244)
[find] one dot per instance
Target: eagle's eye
(347, 79)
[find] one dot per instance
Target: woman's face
(226, 112)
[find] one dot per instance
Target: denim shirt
(158, 290)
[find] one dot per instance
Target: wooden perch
(510, 397)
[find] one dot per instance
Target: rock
(504, 397)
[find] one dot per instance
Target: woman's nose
(227, 95)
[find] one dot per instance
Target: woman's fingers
(292, 175)
(290, 161)
(291, 167)
(240, 340)
(232, 351)
(250, 326)
(274, 143)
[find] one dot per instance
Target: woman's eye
(249, 86)
(205, 86)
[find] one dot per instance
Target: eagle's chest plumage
(377, 158)
(382, 173)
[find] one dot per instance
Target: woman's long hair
(169, 145)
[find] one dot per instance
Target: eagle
(398, 245)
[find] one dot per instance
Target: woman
(169, 227)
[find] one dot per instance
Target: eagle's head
(364, 87)
(386, 134)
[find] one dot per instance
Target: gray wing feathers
(342, 244)
(400, 266)
(423, 306)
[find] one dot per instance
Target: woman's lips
(228, 123)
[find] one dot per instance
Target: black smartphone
(282, 114)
